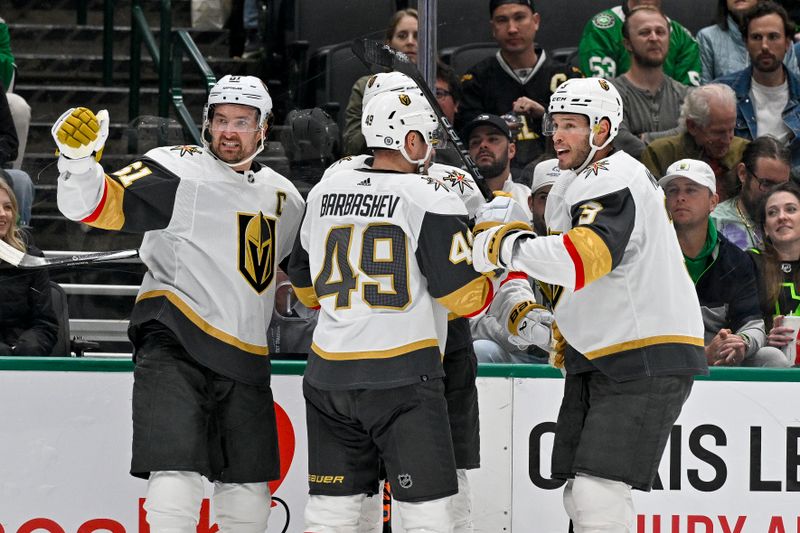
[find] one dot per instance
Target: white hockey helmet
(387, 81)
(242, 90)
(594, 98)
(390, 116)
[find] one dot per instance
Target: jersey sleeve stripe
(470, 299)
(376, 354)
(207, 328)
(108, 214)
(513, 275)
(307, 296)
(589, 253)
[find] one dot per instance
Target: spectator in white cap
(724, 276)
(545, 174)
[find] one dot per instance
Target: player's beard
(492, 170)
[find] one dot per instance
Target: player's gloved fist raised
(503, 209)
(534, 328)
(492, 247)
(79, 134)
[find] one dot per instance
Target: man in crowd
(602, 51)
(493, 149)
(217, 226)
(767, 93)
(519, 79)
(545, 175)
(612, 247)
(651, 99)
(765, 162)
(708, 116)
(724, 276)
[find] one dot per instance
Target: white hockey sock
(435, 516)
(333, 514)
(173, 501)
(462, 505)
(601, 505)
(241, 507)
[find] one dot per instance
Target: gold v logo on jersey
(257, 241)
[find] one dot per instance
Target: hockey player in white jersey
(217, 225)
(623, 301)
(514, 307)
(385, 252)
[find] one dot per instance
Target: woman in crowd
(779, 268)
(722, 48)
(400, 35)
(27, 321)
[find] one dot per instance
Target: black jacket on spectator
(728, 290)
(27, 319)
(8, 135)
(488, 88)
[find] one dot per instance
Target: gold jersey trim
(307, 296)
(469, 299)
(109, 214)
(594, 253)
(376, 354)
(207, 328)
(643, 343)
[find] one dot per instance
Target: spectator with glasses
(765, 163)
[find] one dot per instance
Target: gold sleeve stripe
(207, 328)
(518, 313)
(452, 316)
(589, 253)
(495, 243)
(469, 299)
(307, 296)
(481, 226)
(376, 354)
(108, 214)
(643, 343)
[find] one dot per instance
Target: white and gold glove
(501, 210)
(532, 324)
(80, 136)
(492, 247)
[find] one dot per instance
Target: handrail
(184, 44)
(171, 48)
(100, 289)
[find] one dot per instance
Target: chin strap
(593, 150)
(416, 162)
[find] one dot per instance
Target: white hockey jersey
(624, 301)
(385, 255)
(214, 239)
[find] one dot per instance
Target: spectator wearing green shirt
(20, 110)
(602, 52)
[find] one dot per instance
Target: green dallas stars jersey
(603, 54)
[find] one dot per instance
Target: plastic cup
(791, 349)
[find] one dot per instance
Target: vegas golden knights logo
(257, 241)
(603, 84)
(405, 99)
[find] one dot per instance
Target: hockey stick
(376, 53)
(19, 259)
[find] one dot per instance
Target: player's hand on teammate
(534, 328)
(80, 134)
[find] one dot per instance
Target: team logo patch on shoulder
(458, 180)
(430, 180)
(604, 21)
(595, 168)
(186, 149)
(405, 99)
(257, 241)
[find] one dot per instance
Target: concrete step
(55, 68)
(48, 102)
(83, 40)
(59, 11)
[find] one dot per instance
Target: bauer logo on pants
(257, 241)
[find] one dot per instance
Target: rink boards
(730, 466)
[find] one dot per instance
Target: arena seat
(464, 57)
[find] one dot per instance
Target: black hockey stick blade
(372, 53)
(19, 259)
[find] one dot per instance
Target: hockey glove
(491, 248)
(79, 135)
(503, 209)
(531, 322)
